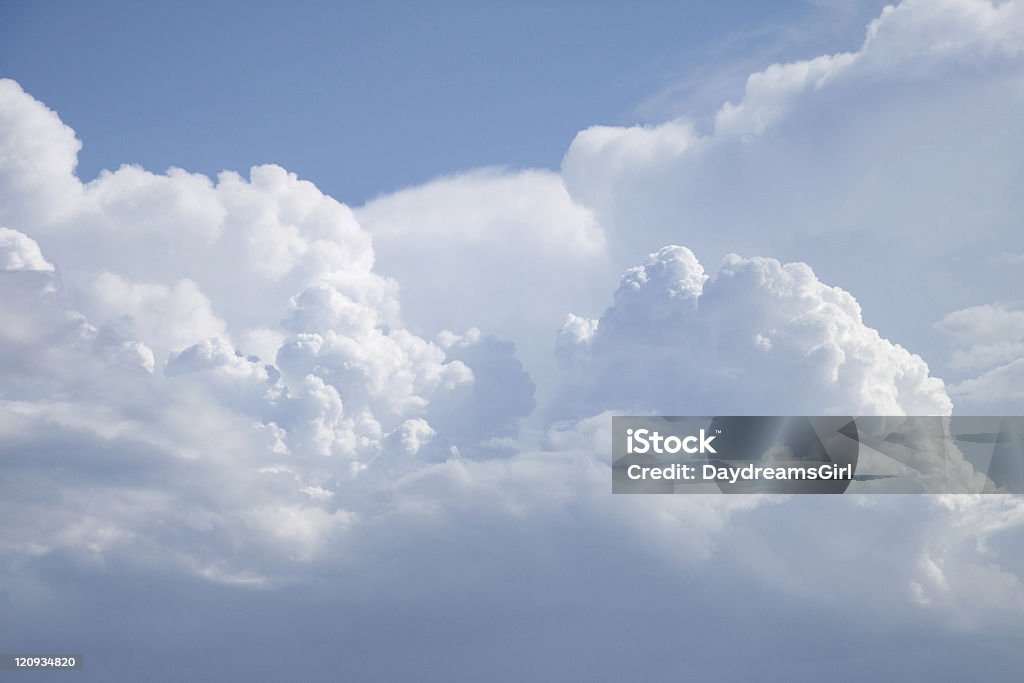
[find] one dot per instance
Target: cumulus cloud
(133, 343)
(864, 163)
(197, 269)
(20, 252)
(505, 251)
(37, 173)
(223, 468)
(134, 246)
(103, 457)
(47, 348)
(757, 337)
(168, 317)
(492, 406)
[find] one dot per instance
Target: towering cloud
(220, 356)
(758, 338)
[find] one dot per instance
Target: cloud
(121, 352)
(758, 338)
(169, 318)
(207, 379)
(862, 163)
(37, 171)
(47, 348)
(993, 335)
(989, 339)
(194, 269)
(997, 388)
(769, 92)
(501, 395)
(508, 252)
(21, 253)
(967, 568)
(246, 246)
(102, 456)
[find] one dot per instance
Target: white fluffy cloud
(888, 168)
(758, 338)
(168, 317)
(134, 342)
(21, 253)
(37, 174)
(195, 269)
(506, 251)
(136, 246)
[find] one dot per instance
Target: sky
(313, 321)
(367, 98)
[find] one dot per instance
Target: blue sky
(364, 98)
(313, 322)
